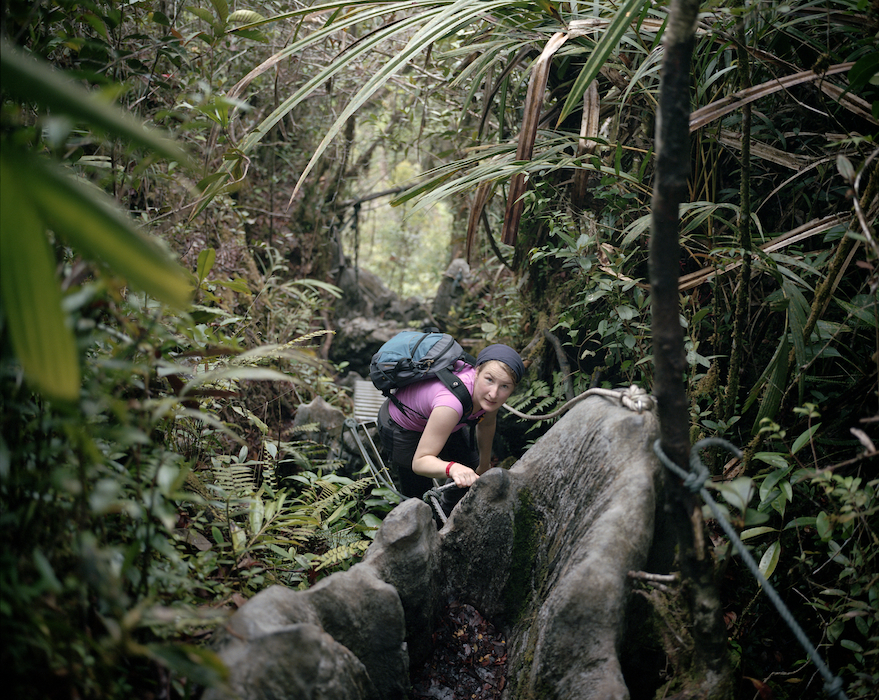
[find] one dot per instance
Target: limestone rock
(328, 418)
(343, 639)
(543, 550)
(297, 661)
(406, 555)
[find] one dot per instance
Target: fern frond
(330, 497)
(235, 479)
(337, 555)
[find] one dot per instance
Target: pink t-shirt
(425, 396)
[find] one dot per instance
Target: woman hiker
(434, 440)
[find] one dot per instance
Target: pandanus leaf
(31, 295)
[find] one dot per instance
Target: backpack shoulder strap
(456, 385)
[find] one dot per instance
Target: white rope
(633, 397)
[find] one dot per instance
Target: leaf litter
(469, 659)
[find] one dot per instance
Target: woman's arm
(484, 440)
(442, 421)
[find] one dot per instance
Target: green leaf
(244, 17)
(769, 560)
(805, 521)
(94, 225)
(256, 514)
(771, 480)
(196, 663)
(774, 459)
(610, 37)
(865, 70)
(252, 34)
(218, 536)
(340, 512)
(239, 539)
(234, 374)
(755, 517)
(35, 82)
(737, 492)
(236, 285)
(31, 296)
(205, 263)
(203, 14)
(756, 532)
(222, 9)
(853, 646)
(804, 439)
(845, 168)
(777, 370)
(824, 526)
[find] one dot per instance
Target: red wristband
(449, 468)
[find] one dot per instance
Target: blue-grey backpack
(413, 356)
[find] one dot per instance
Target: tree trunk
(709, 675)
(743, 291)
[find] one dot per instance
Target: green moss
(527, 535)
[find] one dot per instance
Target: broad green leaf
(769, 560)
(737, 492)
(244, 17)
(222, 8)
(756, 532)
(775, 386)
(853, 646)
(863, 312)
(218, 536)
(864, 71)
(256, 514)
(805, 521)
(204, 15)
(845, 168)
(804, 439)
(769, 483)
(94, 225)
(38, 329)
(34, 81)
(824, 526)
(237, 285)
(755, 517)
(252, 34)
(205, 263)
(340, 512)
(239, 539)
(774, 459)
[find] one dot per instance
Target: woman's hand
(463, 475)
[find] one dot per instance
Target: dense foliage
(145, 403)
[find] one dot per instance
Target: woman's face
(492, 388)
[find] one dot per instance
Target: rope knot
(636, 399)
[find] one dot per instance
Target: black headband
(505, 354)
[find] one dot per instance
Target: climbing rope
(431, 497)
(694, 481)
(633, 397)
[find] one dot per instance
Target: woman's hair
(498, 365)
